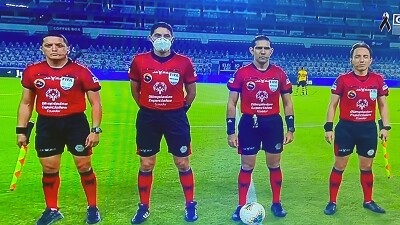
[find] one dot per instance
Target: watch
(96, 130)
(291, 129)
(386, 127)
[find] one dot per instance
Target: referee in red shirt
(59, 86)
(158, 79)
(356, 93)
(260, 85)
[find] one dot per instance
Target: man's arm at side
(231, 106)
(135, 91)
(190, 93)
(25, 107)
(95, 102)
(287, 104)
(24, 114)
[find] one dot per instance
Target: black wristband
(328, 126)
(230, 126)
(290, 123)
(21, 130)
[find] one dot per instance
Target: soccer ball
(252, 213)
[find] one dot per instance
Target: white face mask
(162, 44)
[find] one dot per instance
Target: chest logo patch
(362, 104)
(273, 85)
(67, 83)
(160, 87)
(262, 95)
(53, 94)
(173, 78)
(351, 94)
(250, 85)
(39, 83)
(147, 78)
(373, 94)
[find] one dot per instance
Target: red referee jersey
(358, 97)
(161, 79)
(59, 92)
(260, 90)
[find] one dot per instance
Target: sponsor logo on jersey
(351, 94)
(262, 95)
(39, 83)
(373, 94)
(160, 87)
(52, 78)
(147, 78)
(334, 86)
(53, 94)
(273, 85)
(362, 104)
(95, 79)
(67, 83)
(173, 78)
(250, 85)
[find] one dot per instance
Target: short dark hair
(258, 38)
(55, 34)
(360, 45)
(163, 25)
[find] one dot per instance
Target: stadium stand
(322, 19)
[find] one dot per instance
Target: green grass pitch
(306, 165)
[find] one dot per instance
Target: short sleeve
(133, 72)
(285, 84)
(235, 83)
(190, 75)
(383, 89)
(26, 80)
(89, 81)
(337, 86)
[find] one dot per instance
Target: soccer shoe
(92, 215)
(373, 207)
(49, 216)
(236, 214)
(191, 212)
(141, 215)
(277, 210)
(330, 209)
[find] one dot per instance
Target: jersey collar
(262, 71)
(162, 59)
(361, 78)
(66, 64)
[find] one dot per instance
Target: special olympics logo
(262, 95)
(53, 94)
(160, 87)
(362, 104)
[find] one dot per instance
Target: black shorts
(151, 125)
(363, 135)
(266, 135)
(53, 133)
(302, 83)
